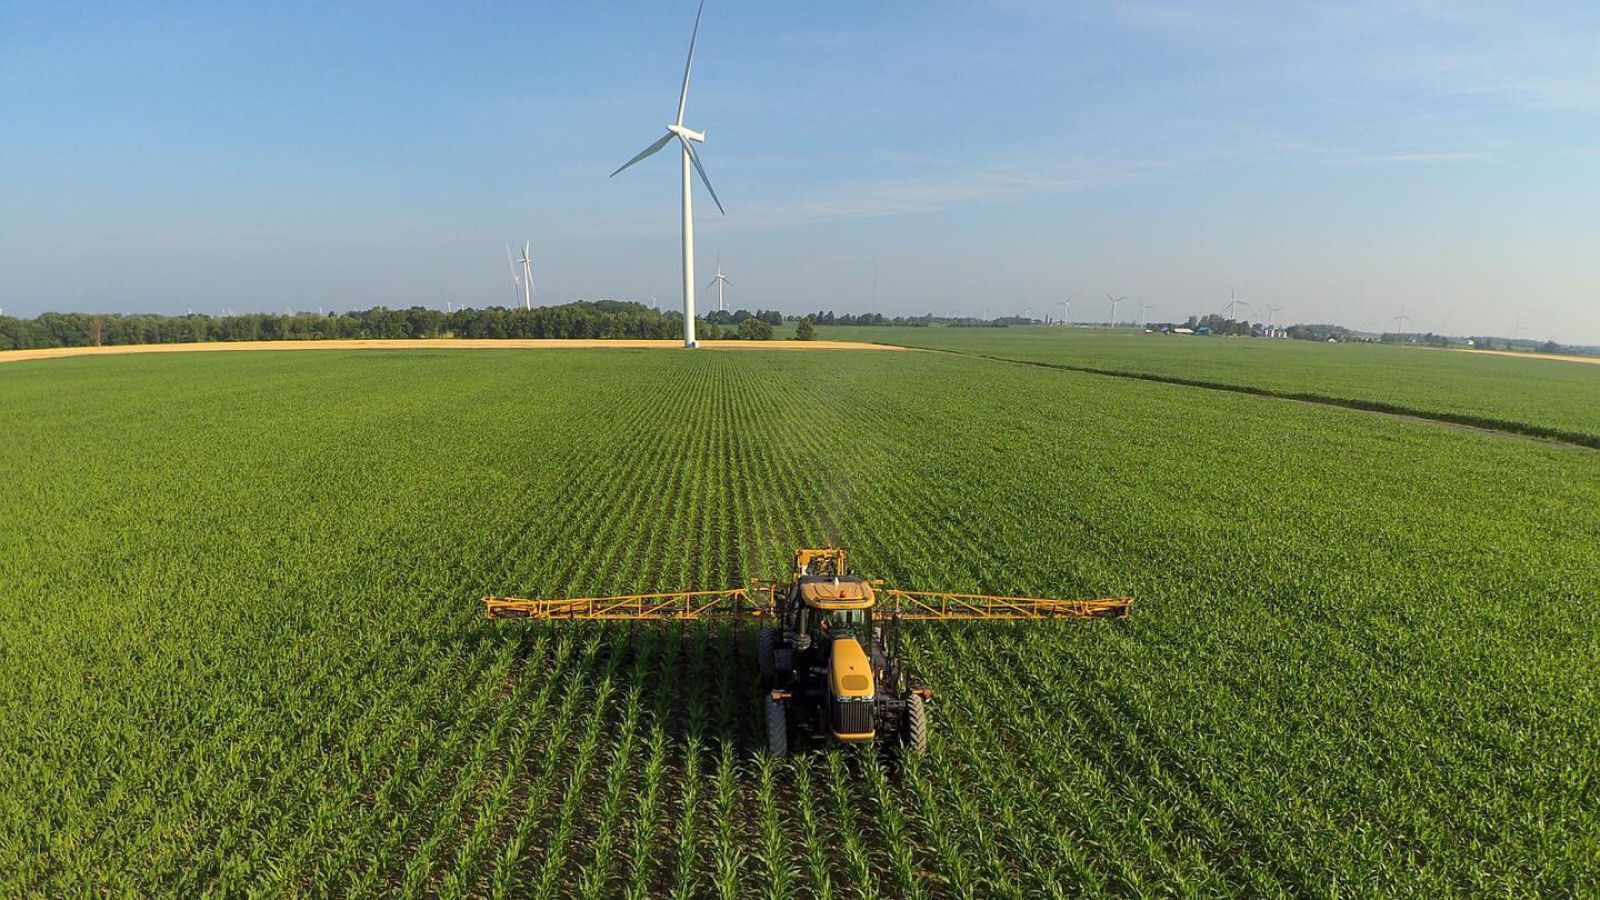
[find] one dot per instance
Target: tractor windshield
(856, 623)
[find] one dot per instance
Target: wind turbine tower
(1115, 302)
(527, 275)
(718, 282)
(687, 138)
(1234, 303)
(1401, 320)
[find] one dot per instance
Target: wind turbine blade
(683, 95)
(648, 151)
(704, 179)
(711, 284)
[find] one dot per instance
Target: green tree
(804, 331)
(753, 329)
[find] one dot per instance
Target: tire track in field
(845, 516)
(1464, 421)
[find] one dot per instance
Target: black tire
(914, 734)
(766, 644)
(777, 728)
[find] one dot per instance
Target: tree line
(594, 320)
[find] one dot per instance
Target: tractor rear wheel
(778, 728)
(766, 646)
(914, 735)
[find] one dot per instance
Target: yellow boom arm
(924, 605)
(757, 602)
(732, 604)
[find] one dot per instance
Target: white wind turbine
(687, 139)
(1401, 320)
(1143, 307)
(527, 275)
(1115, 301)
(1066, 309)
(1233, 302)
(718, 282)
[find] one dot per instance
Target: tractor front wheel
(766, 646)
(914, 734)
(778, 728)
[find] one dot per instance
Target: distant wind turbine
(1115, 301)
(687, 139)
(1234, 303)
(1143, 307)
(1401, 320)
(1066, 309)
(718, 282)
(527, 275)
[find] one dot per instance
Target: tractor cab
(831, 607)
(827, 600)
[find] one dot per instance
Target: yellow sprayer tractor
(829, 665)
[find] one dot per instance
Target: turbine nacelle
(699, 137)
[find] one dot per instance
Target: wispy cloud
(1425, 157)
(880, 197)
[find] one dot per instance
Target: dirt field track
(1557, 357)
(431, 344)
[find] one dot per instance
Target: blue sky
(1336, 160)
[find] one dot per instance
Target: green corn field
(242, 651)
(1530, 395)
